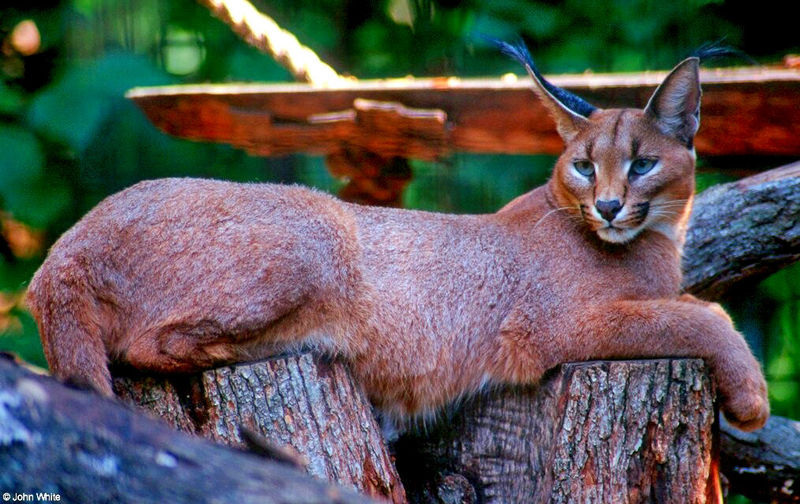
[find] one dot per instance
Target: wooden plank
(746, 111)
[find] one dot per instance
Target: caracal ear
(675, 105)
(570, 111)
(568, 123)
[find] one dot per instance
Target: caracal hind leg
(237, 331)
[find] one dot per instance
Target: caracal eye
(584, 167)
(640, 166)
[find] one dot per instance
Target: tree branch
(763, 465)
(744, 230)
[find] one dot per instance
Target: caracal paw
(746, 406)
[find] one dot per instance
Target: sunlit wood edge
(740, 75)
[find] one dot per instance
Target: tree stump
(606, 431)
(303, 402)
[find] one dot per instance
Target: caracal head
(625, 170)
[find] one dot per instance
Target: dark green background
(68, 137)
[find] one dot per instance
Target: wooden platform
(746, 111)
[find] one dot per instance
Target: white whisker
(554, 211)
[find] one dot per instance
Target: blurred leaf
(72, 110)
(316, 29)
(11, 101)
(784, 392)
(14, 277)
(86, 7)
(183, 52)
(20, 156)
(42, 203)
(542, 20)
(375, 43)
(704, 180)
(248, 64)
(642, 30)
(22, 339)
(625, 59)
(492, 26)
(21, 162)
(782, 285)
(68, 114)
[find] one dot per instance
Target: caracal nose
(608, 209)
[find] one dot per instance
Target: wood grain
(749, 111)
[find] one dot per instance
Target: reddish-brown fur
(178, 275)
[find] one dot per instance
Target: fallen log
(66, 445)
(304, 403)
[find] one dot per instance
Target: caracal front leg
(686, 327)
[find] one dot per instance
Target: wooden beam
(746, 111)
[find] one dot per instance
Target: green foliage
(23, 160)
(22, 339)
(783, 333)
(471, 183)
(68, 137)
(73, 110)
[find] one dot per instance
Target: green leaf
(73, 110)
(25, 191)
(11, 101)
(21, 162)
(68, 114)
(42, 203)
(21, 157)
(22, 339)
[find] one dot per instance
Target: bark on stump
(85, 448)
(303, 402)
(605, 431)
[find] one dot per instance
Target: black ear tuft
(519, 52)
(718, 49)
